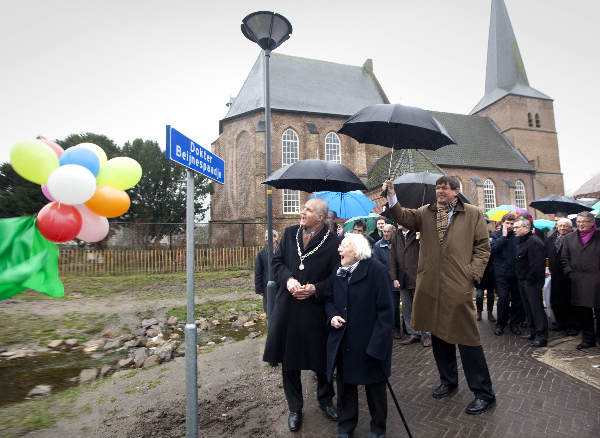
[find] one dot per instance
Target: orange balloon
(109, 201)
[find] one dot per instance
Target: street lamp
(268, 30)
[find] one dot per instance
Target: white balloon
(71, 184)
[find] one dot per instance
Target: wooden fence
(153, 261)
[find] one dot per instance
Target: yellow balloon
(33, 160)
(97, 150)
(120, 172)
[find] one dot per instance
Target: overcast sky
(127, 68)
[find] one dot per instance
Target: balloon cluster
(84, 189)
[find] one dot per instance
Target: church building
(506, 149)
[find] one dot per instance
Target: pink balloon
(93, 227)
(58, 150)
(47, 193)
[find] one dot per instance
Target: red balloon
(59, 222)
(58, 150)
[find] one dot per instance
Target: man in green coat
(454, 252)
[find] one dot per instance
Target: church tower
(523, 114)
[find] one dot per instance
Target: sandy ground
(238, 394)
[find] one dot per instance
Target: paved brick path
(533, 399)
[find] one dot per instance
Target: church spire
(505, 71)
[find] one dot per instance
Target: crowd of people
(342, 299)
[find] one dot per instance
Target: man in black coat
(261, 265)
(560, 290)
(377, 233)
(509, 308)
(530, 266)
(297, 335)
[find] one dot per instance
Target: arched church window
(489, 194)
(332, 148)
(289, 147)
(520, 196)
(290, 153)
(537, 121)
(530, 120)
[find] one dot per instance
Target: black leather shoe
(444, 391)
(515, 329)
(330, 412)
(479, 406)
(528, 337)
(499, 331)
(539, 343)
(584, 345)
(295, 421)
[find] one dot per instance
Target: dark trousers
(479, 300)
(347, 404)
(537, 320)
(585, 315)
(473, 362)
(292, 387)
(510, 309)
(396, 298)
(560, 301)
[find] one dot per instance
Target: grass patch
(129, 374)
(38, 414)
(217, 309)
(21, 327)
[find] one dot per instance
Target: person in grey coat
(580, 261)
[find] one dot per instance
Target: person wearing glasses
(580, 261)
(530, 266)
(454, 252)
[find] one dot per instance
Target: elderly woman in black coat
(360, 315)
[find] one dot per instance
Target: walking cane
(396, 402)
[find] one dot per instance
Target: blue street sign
(190, 154)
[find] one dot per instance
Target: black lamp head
(267, 29)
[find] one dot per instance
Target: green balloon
(33, 160)
(120, 172)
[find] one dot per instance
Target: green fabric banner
(27, 259)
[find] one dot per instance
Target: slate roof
(403, 161)
(505, 71)
(309, 85)
(590, 188)
(479, 144)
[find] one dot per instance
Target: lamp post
(269, 30)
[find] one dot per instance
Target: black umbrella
(397, 126)
(315, 176)
(554, 203)
(416, 189)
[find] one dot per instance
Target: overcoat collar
(359, 272)
(458, 207)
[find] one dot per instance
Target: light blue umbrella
(346, 205)
(543, 224)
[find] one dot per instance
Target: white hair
(564, 220)
(359, 243)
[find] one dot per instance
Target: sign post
(186, 152)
